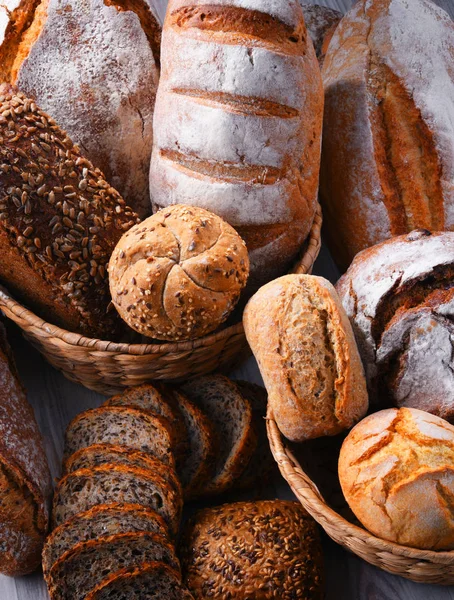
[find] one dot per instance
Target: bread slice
(153, 581)
(86, 565)
(151, 398)
(80, 490)
(100, 521)
(231, 414)
(104, 454)
(128, 427)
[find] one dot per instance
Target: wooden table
(56, 401)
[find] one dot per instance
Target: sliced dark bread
(199, 462)
(104, 454)
(154, 581)
(151, 398)
(80, 490)
(231, 414)
(120, 425)
(97, 522)
(86, 565)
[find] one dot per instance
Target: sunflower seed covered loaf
(59, 221)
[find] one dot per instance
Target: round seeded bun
(267, 549)
(178, 274)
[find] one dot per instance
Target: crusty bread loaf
(388, 158)
(59, 221)
(261, 550)
(396, 472)
(321, 23)
(178, 274)
(399, 296)
(307, 355)
(93, 66)
(237, 123)
(25, 484)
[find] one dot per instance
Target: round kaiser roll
(262, 550)
(178, 274)
(396, 469)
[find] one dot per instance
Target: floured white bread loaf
(237, 123)
(396, 472)
(93, 66)
(399, 296)
(388, 156)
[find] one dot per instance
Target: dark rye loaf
(100, 521)
(86, 565)
(83, 489)
(123, 426)
(59, 221)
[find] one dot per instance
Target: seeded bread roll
(307, 355)
(120, 425)
(399, 296)
(388, 158)
(262, 550)
(86, 565)
(93, 66)
(178, 274)
(59, 221)
(81, 490)
(237, 125)
(100, 521)
(25, 483)
(321, 23)
(396, 472)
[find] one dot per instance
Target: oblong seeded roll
(307, 355)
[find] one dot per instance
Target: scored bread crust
(315, 383)
(396, 472)
(387, 160)
(237, 123)
(94, 66)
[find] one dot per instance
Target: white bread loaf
(237, 122)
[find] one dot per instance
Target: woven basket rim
(309, 496)
(302, 265)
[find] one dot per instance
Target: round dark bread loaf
(100, 521)
(59, 221)
(262, 550)
(86, 565)
(321, 23)
(93, 66)
(399, 296)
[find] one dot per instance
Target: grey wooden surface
(56, 400)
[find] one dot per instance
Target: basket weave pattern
(423, 566)
(109, 367)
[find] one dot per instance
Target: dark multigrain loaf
(93, 66)
(25, 483)
(59, 221)
(97, 522)
(261, 550)
(83, 489)
(149, 397)
(86, 565)
(321, 23)
(120, 425)
(103, 454)
(231, 415)
(148, 582)
(399, 296)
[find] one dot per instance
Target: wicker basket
(423, 566)
(109, 367)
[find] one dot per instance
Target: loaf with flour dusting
(321, 23)
(237, 122)
(388, 157)
(399, 296)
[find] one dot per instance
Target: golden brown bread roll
(388, 157)
(307, 355)
(178, 274)
(396, 469)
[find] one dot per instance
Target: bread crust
(395, 469)
(307, 355)
(321, 23)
